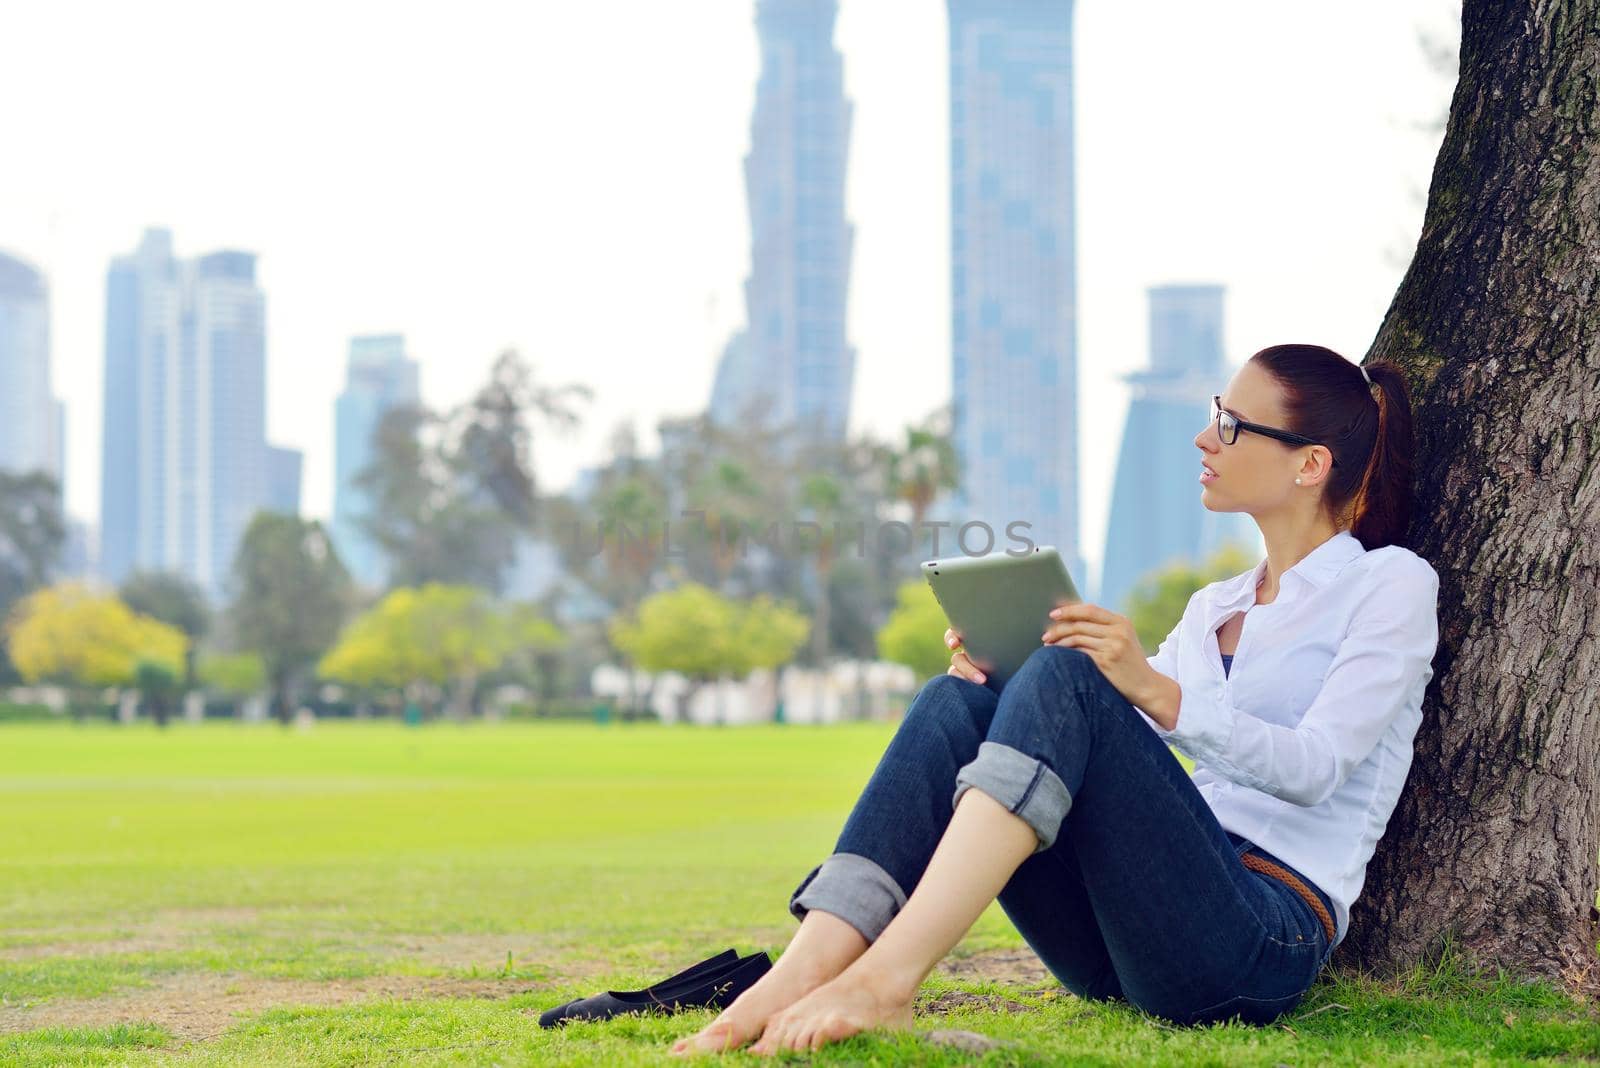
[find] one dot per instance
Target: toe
(721, 1035)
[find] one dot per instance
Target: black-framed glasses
(1229, 425)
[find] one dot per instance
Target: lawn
(371, 893)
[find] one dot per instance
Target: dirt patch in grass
(960, 1001)
(168, 930)
(201, 1005)
(1013, 967)
(183, 930)
(486, 952)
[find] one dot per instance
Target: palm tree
(734, 502)
(629, 510)
(925, 467)
(735, 475)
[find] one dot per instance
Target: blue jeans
(1135, 892)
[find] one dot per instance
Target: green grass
(139, 866)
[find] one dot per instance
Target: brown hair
(1366, 427)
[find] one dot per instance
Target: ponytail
(1367, 427)
(1382, 503)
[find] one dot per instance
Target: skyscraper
(379, 378)
(1013, 281)
(185, 412)
(223, 436)
(31, 421)
(1156, 514)
(283, 479)
(792, 364)
(143, 333)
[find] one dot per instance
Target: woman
(1193, 898)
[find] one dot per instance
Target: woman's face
(1256, 473)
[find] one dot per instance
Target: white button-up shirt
(1303, 749)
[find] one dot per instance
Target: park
(267, 809)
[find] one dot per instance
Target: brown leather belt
(1288, 878)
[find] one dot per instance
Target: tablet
(1000, 604)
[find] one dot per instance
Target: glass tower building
(30, 418)
(223, 425)
(284, 468)
(185, 460)
(792, 364)
(1013, 280)
(1156, 515)
(379, 377)
(143, 328)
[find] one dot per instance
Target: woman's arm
(1160, 700)
(1377, 674)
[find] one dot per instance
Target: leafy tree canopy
(71, 635)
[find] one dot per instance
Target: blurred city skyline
(568, 182)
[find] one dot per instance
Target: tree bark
(1493, 846)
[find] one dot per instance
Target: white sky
(567, 179)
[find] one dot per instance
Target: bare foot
(743, 1020)
(848, 1005)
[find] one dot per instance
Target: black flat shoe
(706, 985)
(708, 967)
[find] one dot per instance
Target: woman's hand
(960, 663)
(1110, 641)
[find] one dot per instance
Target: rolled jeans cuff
(853, 888)
(1025, 785)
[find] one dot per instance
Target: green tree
(173, 599)
(735, 506)
(451, 494)
(159, 687)
(231, 676)
(614, 541)
(914, 634)
(1156, 604)
(534, 658)
(32, 532)
(428, 528)
(375, 652)
(842, 488)
(290, 595)
(825, 506)
(443, 637)
(704, 635)
(85, 641)
(923, 466)
(462, 636)
(495, 433)
(734, 480)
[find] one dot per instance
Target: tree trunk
(1493, 845)
(280, 699)
(458, 705)
(822, 622)
(861, 688)
(686, 697)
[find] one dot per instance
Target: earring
(1297, 482)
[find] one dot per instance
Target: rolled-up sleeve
(1381, 668)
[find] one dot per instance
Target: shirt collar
(1315, 568)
